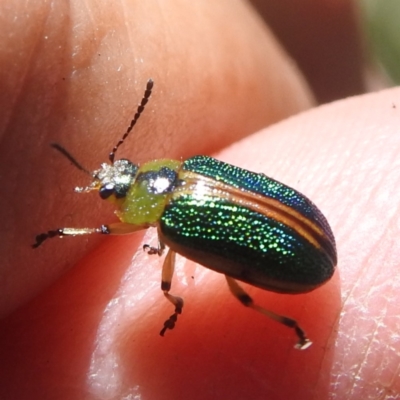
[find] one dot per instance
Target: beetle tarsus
(170, 322)
(48, 235)
(151, 250)
(304, 342)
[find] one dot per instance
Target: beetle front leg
(118, 228)
(247, 301)
(167, 274)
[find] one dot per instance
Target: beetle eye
(120, 191)
(106, 191)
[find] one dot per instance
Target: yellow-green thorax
(145, 200)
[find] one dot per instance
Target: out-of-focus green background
(381, 23)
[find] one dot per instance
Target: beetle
(242, 224)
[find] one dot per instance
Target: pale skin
(92, 329)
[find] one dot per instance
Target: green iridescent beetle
(242, 224)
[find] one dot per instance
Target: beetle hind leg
(247, 301)
(167, 273)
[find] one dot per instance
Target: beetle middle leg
(167, 273)
(247, 301)
(151, 250)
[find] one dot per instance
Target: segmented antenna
(139, 111)
(66, 154)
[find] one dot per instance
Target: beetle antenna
(139, 111)
(66, 154)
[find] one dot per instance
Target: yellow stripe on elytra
(197, 184)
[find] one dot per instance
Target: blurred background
(343, 47)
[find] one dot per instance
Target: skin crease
(74, 77)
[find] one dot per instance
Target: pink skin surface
(81, 316)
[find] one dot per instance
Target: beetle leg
(167, 273)
(154, 250)
(118, 228)
(247, 301)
